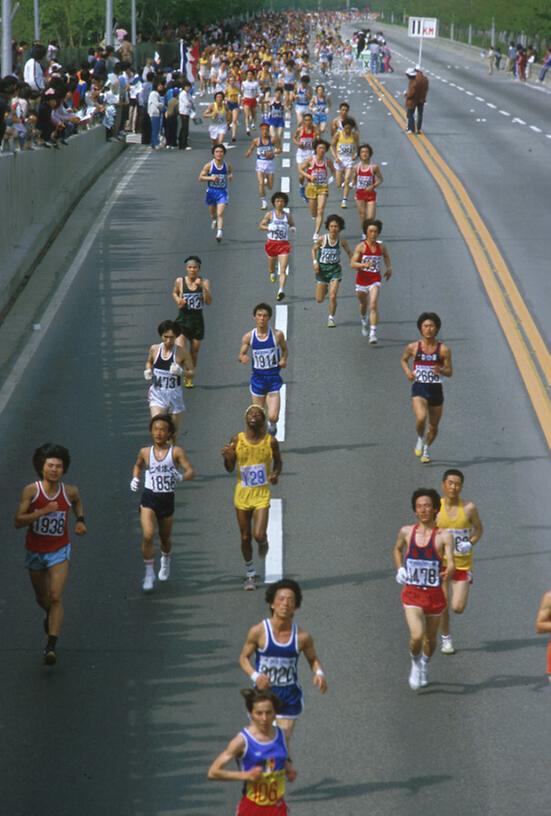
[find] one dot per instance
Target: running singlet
(371, 261)
(270, 788)
(460, 528)
(193, 297)
(423, 563)
(220, 182)
(318, 173)
(276, 110)
(320, 106)
(278, 228)
(329, 255)
(364, 178)
(250, 89)
(219, 115)
(345, 146)
(49, 532)
(163, 380)
(424, 365)
(253, 466)
(160, 476)
(265, 152)
(279, 661)
(289, 77)
(265, 354)
(306, 140)
(302, 97)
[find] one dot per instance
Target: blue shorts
(291, 701)
(232, 105)
(262, 384)
(214, 197)
(433, 393)
(36, 561)
(320, 118)
(276, 121)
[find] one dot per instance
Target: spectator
(143, 116)
(521, 62)
(171, 116)
(155, 108)
(511, 57)
(126, 50)
(186, 109)
(531, 57)
(374, 51)
(498, 57)
(33, 74)
(490, 59)
(546, 65)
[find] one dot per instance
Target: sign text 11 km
(422, 27)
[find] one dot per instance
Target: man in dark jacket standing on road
(416, 96)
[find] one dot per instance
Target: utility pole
(109, 22)
(493, 33)
(6, 38)
(133, 26)
(36, 20)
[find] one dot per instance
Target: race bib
(194, 301)
(363, 182)
(253, 476)
(51, 525)
(371, 262)
(426, 374)
(264, 358)
(461, 541)
(345, 150)
(218, 181)
(422, 573)
(268, 790)
(280, 670)
(166, 381)
(278, 234)
(163, 483)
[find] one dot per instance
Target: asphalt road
(146, 689)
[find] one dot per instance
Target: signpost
(422, 27)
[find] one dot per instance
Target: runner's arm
(310, 654)
(346, 246)
(232, 752)
(447, 542)
(388, 263)
(378, 176)
(230, 172)
(265, 221)
(229, 455)
(282, 343)
(139, 464)
(407, 354)
(355, 260)
(180, 457)
(179, 300)
(204, 175)
(476, 523)
(243, 351)
(184, 359)
(22, 517)
(252, 643)
(277, 462)
(446, 368)
(251, 147)
(207, 294)
(543, 618)
(399, 547)
(315, 246)
(76, 503)
(294, 137)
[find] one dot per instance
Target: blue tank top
(265, 151)
(271, 756)
(320, 105)
(276, 110)
(221, 180)
(264, 353)
(279, 660)
(302, 96)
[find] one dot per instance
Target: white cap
(411, 72)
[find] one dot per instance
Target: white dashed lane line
(505, 113)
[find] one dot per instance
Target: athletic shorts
(289, 86)
(192, 325)
(334, 272)
(215, 196)
(462, 575)
(249, 103)
(291, 701)
(344, 162)
(301, 109)
(217, 130)
(265, 166)
(171, 399)
(361, 288)
(303, 155)
(162, 504)
(320, 118)
(233, 105)
(263, 384)
(433, 393)
(248, 808)
(365, 195)
(249, 499)
(36, 561)
(275, 248)
(314, 190)
(276, 122)
(432, 600)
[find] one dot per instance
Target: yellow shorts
(314, 190)
(247, 498)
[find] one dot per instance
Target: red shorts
(431, 601)
(366, 195)
(462, 575)
(248, 808)
(275, 248)
(249, 103)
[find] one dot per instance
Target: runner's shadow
(329, 788)
(510, 645)
(323, 448)
(492, 460)
(498, 681)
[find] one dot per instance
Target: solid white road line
(37, 338)
(285, 162)
(274, 560)
(285, 184)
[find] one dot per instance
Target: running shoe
(249, 585)
(280, 295)
(248, 131)
(414, 678)
(273, 277)
(188, 382)
(148, 583)
(263, 204)
(425, 456)
(164, 572)
(213, 224)
(365, 328)
(219, 235)
(373, 337)
(447, 645)
(423, 673)
(330, 322)
(419, 446)
(50, 657)
(263, 549)
(271, 427)
(344, 204)
(315, 236)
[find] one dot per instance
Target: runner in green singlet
(326, 260)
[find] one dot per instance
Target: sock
(415, 658)
(424, 659)
(249, 565)
(52, 640)
(425, 449)
(280, 289)
(420, 442)
(364, 320)
(331, 316)
(166, 555)
(149, 566)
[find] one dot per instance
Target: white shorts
(265, 166)
(303, 155)
(367, 288)
(171, 399)
(344, 163)
(215, 131)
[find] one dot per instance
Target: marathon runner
(221, 118)
(217, 173)
(276, 643)
(254, 455)
(264, 167)
(44, 509)
(277, 224)
(262, 757)
(326, 260)
(432, 360)
(543, 626)
(276, 118)
(304, 138)
(164, 367)
(344, 148)
(319, 106)
(317, 171)
(161, 461)
(191, 293)
(302, 97)
(366, 178)
(460, 518)
(250, 94)
(418, 559)
(366, 260)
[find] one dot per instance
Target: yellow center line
(525, 341)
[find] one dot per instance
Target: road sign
(422, 27)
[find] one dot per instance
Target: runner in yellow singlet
(344, 148)
(461, 519)
(254, 455)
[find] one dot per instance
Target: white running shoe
(425, 456)
(263, 204)
(373, 337)
(330, 322)
(219, 235)
(249, 585)
(423, 673)
(344, 204)
(365, 328)
(148, 584)
(414, 678)
(164, 572)
(447, 645)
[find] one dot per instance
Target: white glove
(176, 369)
(463, 547)
(135, 484)
(401, 576)
(148, 374)
(293, 229)
(178, 476)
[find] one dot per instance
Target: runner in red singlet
(367, 260)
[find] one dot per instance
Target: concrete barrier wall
(37, 191)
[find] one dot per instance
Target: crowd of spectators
(373, 50)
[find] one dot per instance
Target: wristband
(81, 519)
(254, 676)
(319, 673)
